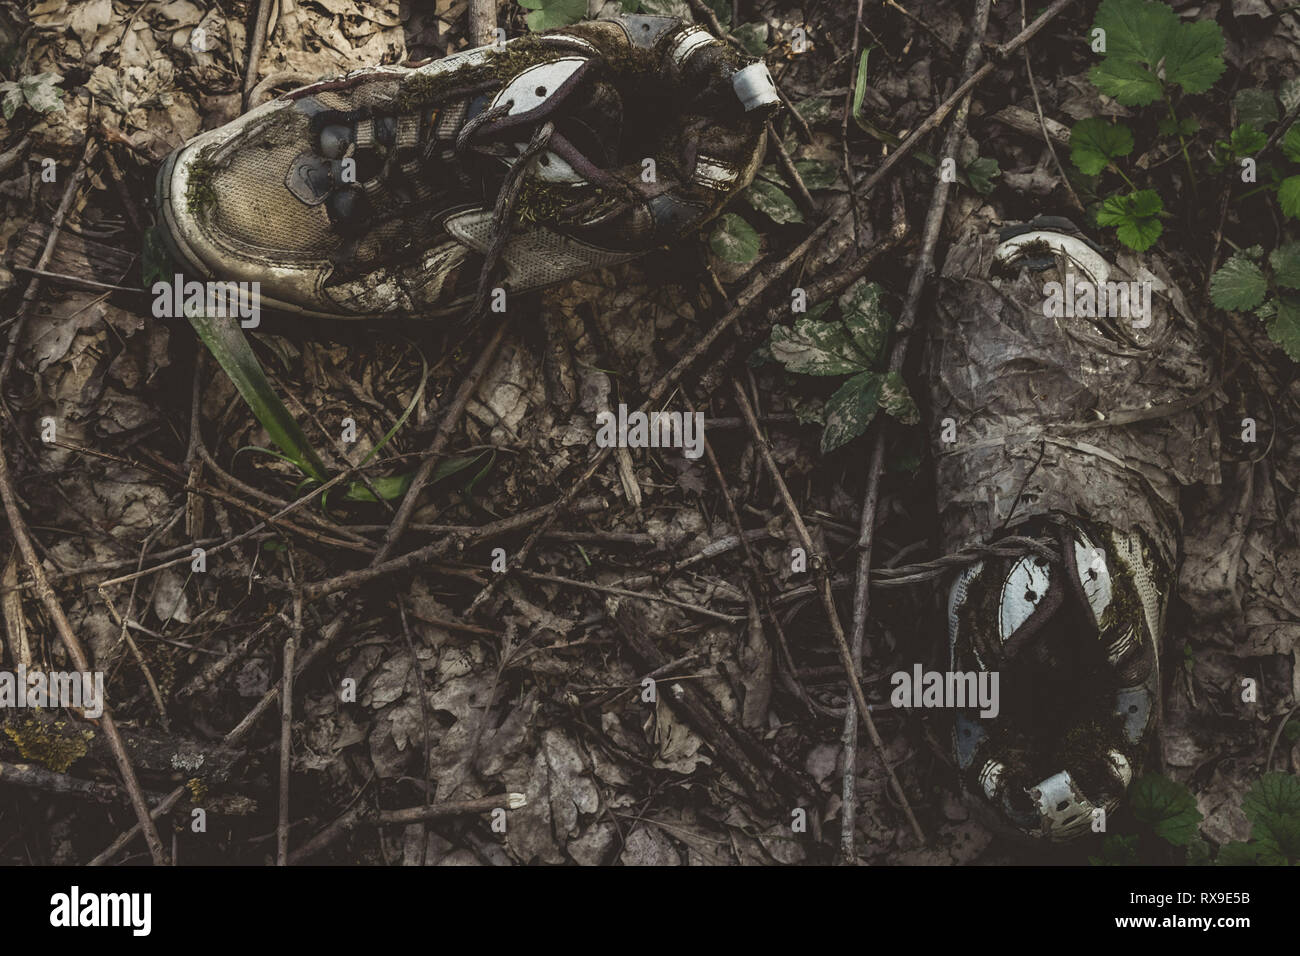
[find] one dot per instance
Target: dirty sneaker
(1071, 396)
(416, 190)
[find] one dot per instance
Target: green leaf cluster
(851, 346)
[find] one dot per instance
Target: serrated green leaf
(1238, 284)
(734, 240)
(1095, 142)
(816, 348)
(1131, 84)
(981, 172)
(1288, 197)
(1135, 216)
(1291, 143)
(865, 317)
(1117, 850)
(1285, 260)
(1194, 55)
(850, 410)
(752, 36)
(549, 14)
(1285, 327)
(1255, 107)
(896, 400)
(1246, 141)
(772, 202)
(1238, 854)
(1168, 808)
(1135, 29)
(818, 173)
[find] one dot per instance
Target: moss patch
(55, 745)
(199, 192)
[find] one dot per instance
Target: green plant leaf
(865, 317)
(981, 172)
(773, 202)
(1255, 107)
(1247, 141)
(1094, 143)
(155, 261)
(225, 340)
(814, 110)
(816, 348)
(13, 99)
(1291, 143)
(752, 36)
(897, 401)
(1194, 55)
(1135, 29)
(860, 90)
(1136, 217)
(390, 488)
(1285, 260)
(850, 410)
(548, 14)
(1168, 808)
(1238, 854)
(1238, 284)
(817, 173)
(1117, 850)
(1285, 327)
(1131, 84)
(734, 240)
(41, 91)
(1288, 197)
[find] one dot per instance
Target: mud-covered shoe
(1072, 398)
(412, 190)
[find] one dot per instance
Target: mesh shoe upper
(1076, 420)
(375, 192)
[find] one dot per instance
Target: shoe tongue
(1029, 591)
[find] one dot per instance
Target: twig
(335, 629)
(18, 529)
(670, 378)
(871, 496)
(801, 193)
(624, 592)
(34, 286)
(362, 816)
(844, 123)
(450, 421)
(828, 600)
(946, 107)
(255, 49)
(286, 734)
(1042, 121)
(482, 22)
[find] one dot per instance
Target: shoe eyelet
(540, 91)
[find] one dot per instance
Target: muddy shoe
(1072, 395)
(418, 190)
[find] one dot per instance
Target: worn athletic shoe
(1071, 395)
(412, 190)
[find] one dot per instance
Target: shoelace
(507, 197)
